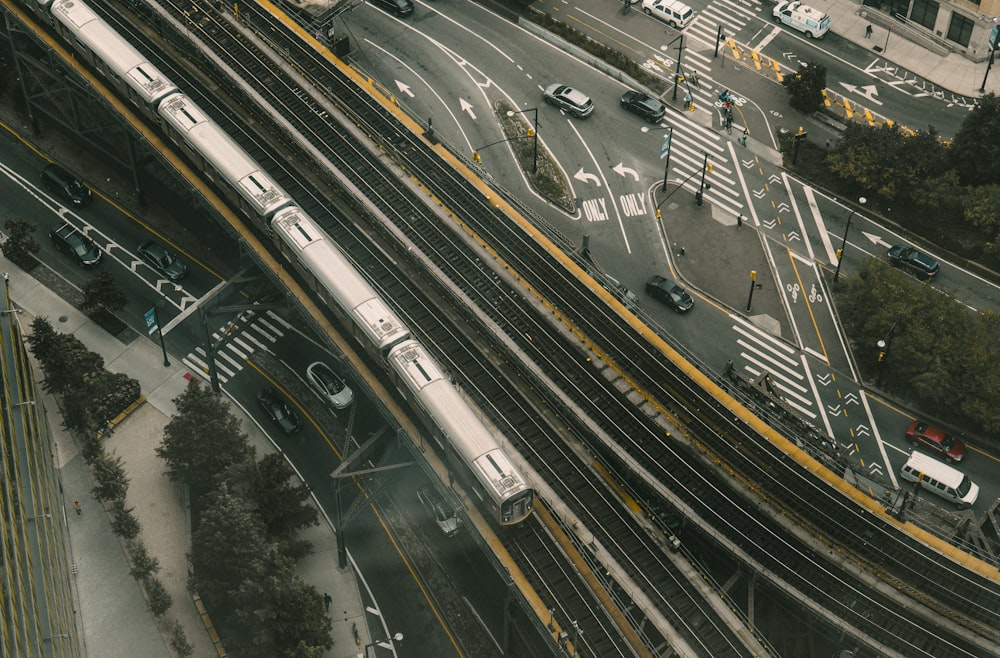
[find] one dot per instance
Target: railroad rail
(628, 439)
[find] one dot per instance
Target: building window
(960, 30)
(925, 13)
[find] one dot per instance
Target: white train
(454, 424)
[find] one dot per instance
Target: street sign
(665, 149)
(151, 324)
(994, 37)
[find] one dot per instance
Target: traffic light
(475, 156)
(531, 132)
(840, 252)
(881, 356)
(708, 167)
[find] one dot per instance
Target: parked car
(329, 385)
(69, 240)
(628, 298)
(399, 8)
(66, 185)
(936, 440)
(444, 516)
(161, 260)
(670, 293)
(571, 100)
(916, 262)
(644, 105)
(275, 407)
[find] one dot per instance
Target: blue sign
(151, 324)
(994, 37)
(665, 149)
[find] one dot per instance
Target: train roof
(125, 61)
(495, 467)
(338, 276)
(210, 141)
(452, 413)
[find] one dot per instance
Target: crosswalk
(238, 339)
(731, 15)
(760, 352)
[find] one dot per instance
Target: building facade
(37, 613)
(962, 26)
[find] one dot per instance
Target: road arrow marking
(760, 193)
(775, 178)
(783, 207)
(769, 223)
(587, 178)
(621, 170)
(875, 239)
(467, 108)
(834, 409)
(747, 164)
(789, 56)
(868, 91)
(404, 88)
(861, 430)
(794, 235)
(850, 398)
(824, 379)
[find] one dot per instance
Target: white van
(940, 479)
(802, 17)
(674, 13)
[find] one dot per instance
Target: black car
(278, 410)
(920, 264)
(161, 260)
(644, 105)
(670, 293)
(396, 7)
(67, 185)
(69, 240)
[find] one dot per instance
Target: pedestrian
(743, 139)
(868, 31)
(327, 600)
(739, 220)
(78, 508)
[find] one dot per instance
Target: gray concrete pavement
(112, 613)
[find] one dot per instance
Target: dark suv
(396, 7)
(920, 264)
(65, 184)
(69, 240)
(645, 106)
(936, 440)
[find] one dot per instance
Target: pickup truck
(69, 240)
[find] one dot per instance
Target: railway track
(637, 445)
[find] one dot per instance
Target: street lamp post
(665, 153)
(699, 197)
(534, 134)
(843, 244)
(753, 284)
(989, 65)
(680, 53)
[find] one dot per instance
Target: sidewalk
(113, 616)
(848, 19)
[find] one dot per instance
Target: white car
(329, 385)
(674, 13)
(571, 100)
(447, 522)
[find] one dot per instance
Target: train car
(460, 432)
(121, 65)
(222, 160)
(334, 279)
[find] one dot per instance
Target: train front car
(114, 58)
(337, 282)
(457, 427)
(222, 160)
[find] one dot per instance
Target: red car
(936, 440)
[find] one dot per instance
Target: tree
(159, 598)
(976, 148)
(20, 246)
(43, 341)
(143, 564)
(981, 208)
(202, 439)
(112, 483)
(805, 88)
(124, 524)
(227, 548)
(179, 642)
(282, 505)
(102, 292)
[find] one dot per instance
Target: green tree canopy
(103, 292)
(202, 439)
(20, 244)
(805, 87)
(976, 148)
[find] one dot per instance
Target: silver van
(941, 479)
